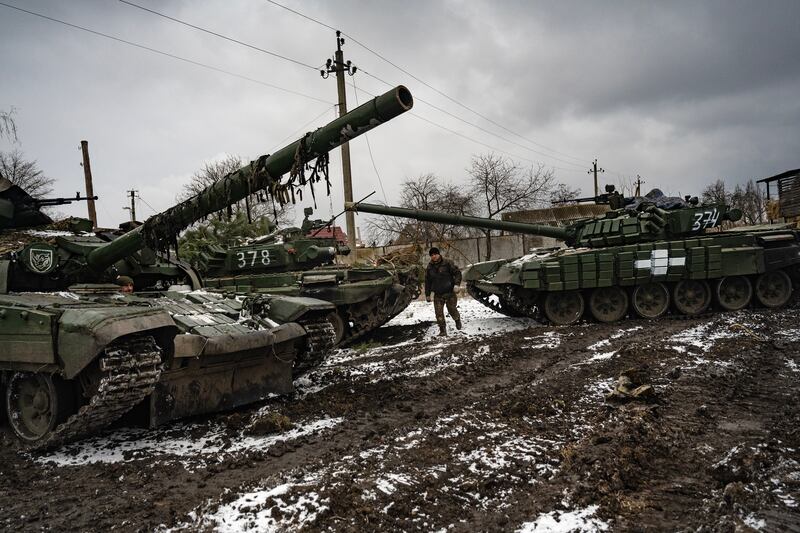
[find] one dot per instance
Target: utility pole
(639, 182)
(87, 175)
(132, 208)
(340, 67)
(595, 170)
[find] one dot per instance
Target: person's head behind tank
(125, 283)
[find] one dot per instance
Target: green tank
(79, 353)
(301, 262)
(647, 255)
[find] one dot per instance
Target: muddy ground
(503, 427)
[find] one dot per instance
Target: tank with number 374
(645, 257)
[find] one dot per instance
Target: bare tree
(456, 200)
(25, 174)
(421, 192)
(8, 128)
(501, 186)
(749, 199)
(564, 194)
(626, 186)
(752, 201)
(716, 193)
(260, 204)
(426, 192)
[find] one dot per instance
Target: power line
(484, 117)
(231, 39)
(543, 154)
(478, 126)
(166, 54)
(301, 128)
(369, 147)
(515, 156)
(139, 196)
(302, 15)
(413, 114)
(426, 84)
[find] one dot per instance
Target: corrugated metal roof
(788, 173)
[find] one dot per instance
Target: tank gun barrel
(43, 202)
(262, 174)
(461, 220)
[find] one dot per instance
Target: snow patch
(550, 340)
(756, 523)
(703, 337)
(596, 346)
(476, 318)
(267, 510)
(579, 520)
(131, 444)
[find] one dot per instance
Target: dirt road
(502, 427)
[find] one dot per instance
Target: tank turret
(18, 209)
(639, 221)
(649, 255)
(301, 262)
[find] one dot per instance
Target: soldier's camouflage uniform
(441, 278)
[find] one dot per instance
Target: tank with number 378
(301, 262)
(645, 257)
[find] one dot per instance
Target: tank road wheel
(734, 292)
(608, 304)
(338, 324)
(773, 289)
(563, 308)
(35, 405)
(650, 300)
(691, 296)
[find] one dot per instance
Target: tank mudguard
(83, 333)
(350, 293)
(508, 273)
(26, 336)
(283, 309)
(476, 271)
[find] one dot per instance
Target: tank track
(380, 317)
(129, 369)
(503, 306)
(515, 307)
(321, 338)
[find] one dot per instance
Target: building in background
(788, 189)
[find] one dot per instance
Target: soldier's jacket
(441, 277)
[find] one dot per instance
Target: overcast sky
(680, 92)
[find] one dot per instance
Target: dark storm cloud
(680, 92)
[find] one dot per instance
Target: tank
(646, 257)
(79, 353)
(301, 262)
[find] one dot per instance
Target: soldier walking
(441, 278)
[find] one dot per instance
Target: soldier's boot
(442, 330)
(458, 324)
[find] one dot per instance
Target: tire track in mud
(515, 392)
(513, 372)
(663, 466)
